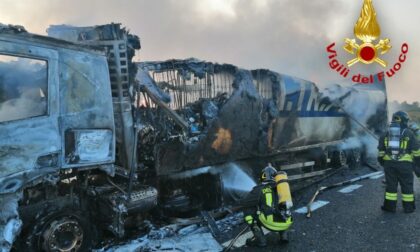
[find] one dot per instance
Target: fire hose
(343, 183)
(229, 247)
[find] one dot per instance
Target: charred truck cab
(90, 139)
(61, 137)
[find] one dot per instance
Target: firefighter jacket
(417, 166)
(417, 134)
(409, 149)
(267, 211)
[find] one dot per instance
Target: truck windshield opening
(23, 88)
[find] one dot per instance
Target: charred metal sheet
(189, 80)
(233, 134)
(29, 114)
(146, 82)
(76, 95)
(12, 28)
(10, 224)
(211, 223)
(85, 94)
(236, 114)
(119, 46)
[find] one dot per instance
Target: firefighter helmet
(268, 173)
(401, 117)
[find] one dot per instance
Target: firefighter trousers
(399, 173)
(273, 223)
(417, 171)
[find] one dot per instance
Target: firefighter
(398, 149)
(273, 208)
(416, 130)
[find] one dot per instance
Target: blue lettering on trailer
(301, 98)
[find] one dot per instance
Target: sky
(287, 36)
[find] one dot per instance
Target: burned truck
(92, 141)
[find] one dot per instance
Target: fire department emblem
(367, 30)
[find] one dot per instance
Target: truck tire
(354, 158)
(338, 159)
(58, 228)
(321, 160)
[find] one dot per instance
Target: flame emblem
(367, 30)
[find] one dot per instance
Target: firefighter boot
(409, 207)
(284, 237)
(389, 206)
(258, 239)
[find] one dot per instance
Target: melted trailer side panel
(301, 116)
(240, 114)
(237, 114)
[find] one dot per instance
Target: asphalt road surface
(350, 220)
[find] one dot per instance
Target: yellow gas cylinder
(283, 189)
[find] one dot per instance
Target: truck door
(29, 135)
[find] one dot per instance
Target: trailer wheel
(338, 159)
(354, 158)
(321, 159)
(59, 229)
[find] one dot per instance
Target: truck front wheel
(59, 229)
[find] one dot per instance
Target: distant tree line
(412, 109)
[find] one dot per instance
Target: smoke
(366, 107)
(28, 104)
(23, 88)
(365, 141)
(284, 35)
(359, 102)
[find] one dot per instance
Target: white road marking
(379, 175)
(317, 204)
(350, 188)
(241, 241)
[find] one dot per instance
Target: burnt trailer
(236, 114)
(91, 141)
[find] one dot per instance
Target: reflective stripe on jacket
(409, 148)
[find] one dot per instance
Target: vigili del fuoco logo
(366, 48)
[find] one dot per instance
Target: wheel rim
(357, 156)
(342, 158)
(63, 235)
